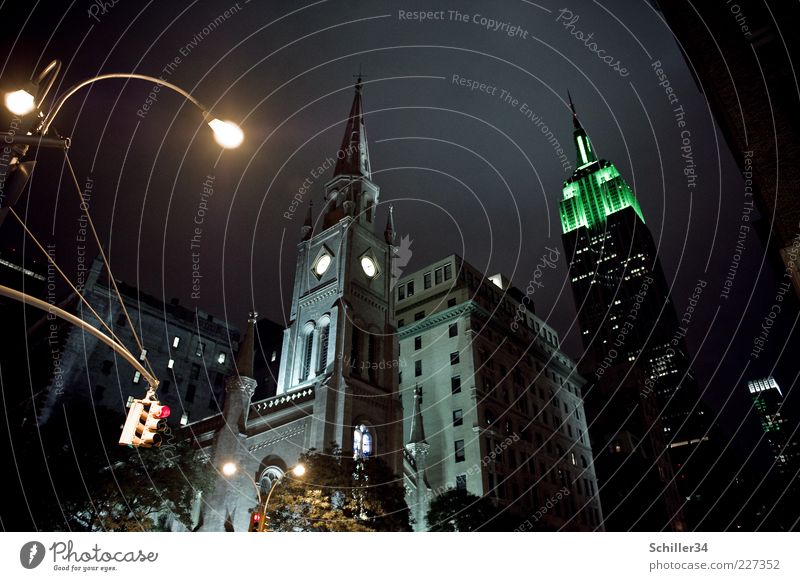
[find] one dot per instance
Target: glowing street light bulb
(229, 469)
(226, 133)
(20, 102)
(299, 470)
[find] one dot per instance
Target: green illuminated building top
(596, 189)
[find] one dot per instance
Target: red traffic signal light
(255, 523)
(144, 424)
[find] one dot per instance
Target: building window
(427, 280)
(221, 358)
(324, 342)
(419, 316)
(170, 364)
(455, 384)
(308, 346)
(451, 303)
(143, 356)
(438, 276)
(459, 451)
(164, 386)
(137, 377)
(401, 292)
(452, 330)
(362, 442)
(461, 482)
(400, 323)
(200, 349)
(175, 342)
(410, 289)
(448, 271)
(418, 343)
(454, 358)
(417, 368)
(184, 418)
(190, 391)
(458, 418)
(195, 373)
(488, 416)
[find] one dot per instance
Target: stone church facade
(338, 369)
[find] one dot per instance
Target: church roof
(353, 155)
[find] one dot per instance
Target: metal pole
(69, 317)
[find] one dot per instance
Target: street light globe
(226, 133)
(229, 469)
(299, 470)
(20, 102)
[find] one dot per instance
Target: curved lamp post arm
(70, 318)
(52, 69)
(48, 120)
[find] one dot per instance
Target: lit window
(458, 418)
(221, 358)
(274, 355)
(200, 349)
(175, 342)
(184, 419)
(143, 356)
(362, 442)
(136, 377)
(170, 364)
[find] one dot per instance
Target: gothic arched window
(324, 340)
(308, 348)
(362, 442)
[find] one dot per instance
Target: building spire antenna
(575, 122)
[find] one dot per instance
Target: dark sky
(467, 172)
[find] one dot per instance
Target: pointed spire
(244, 360)
(307, 230)
(390, 233)
(417, 429)
(353, 155)
(575, 122)
(583, 145)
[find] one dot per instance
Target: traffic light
(255, 523)
(144, 424)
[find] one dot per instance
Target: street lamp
(22, 101)
(230, 468)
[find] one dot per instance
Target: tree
(92, 484)
(328, 498)
(462, 511)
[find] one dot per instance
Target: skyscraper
(768, 402)
(627, 318)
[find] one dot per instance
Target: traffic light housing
(255, 522)
(146, 420)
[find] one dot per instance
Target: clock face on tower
(368, 266)
(322, 264)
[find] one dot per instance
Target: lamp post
(230, 468)
(22, 101)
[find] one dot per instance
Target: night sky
(466, 170)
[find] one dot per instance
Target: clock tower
(340, 339)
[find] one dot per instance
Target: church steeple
(390, 234)
(353, 155)
(583, 145)
(417, 429)
(350, 191)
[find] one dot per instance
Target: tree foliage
(329, 498)
(89, 483)
(461, 511)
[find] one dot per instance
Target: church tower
(340, 340)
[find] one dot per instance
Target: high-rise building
(191, 353)
(627, 318)
(740, 54)
(500, 403)
(768, 403)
